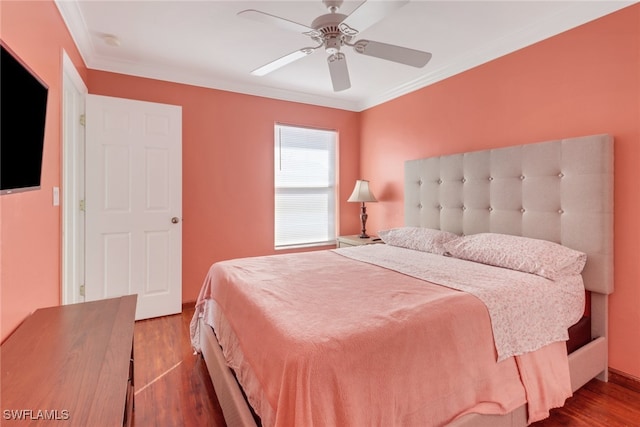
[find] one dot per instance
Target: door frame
(72, 257)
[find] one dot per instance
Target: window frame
(331, 189)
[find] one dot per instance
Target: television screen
(23, 108)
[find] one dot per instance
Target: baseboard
(624, 380)
(188, 305)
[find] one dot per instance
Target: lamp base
(363, 222)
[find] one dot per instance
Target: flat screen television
(23, 110)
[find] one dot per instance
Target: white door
(134, 203)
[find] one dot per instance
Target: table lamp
(361, 194)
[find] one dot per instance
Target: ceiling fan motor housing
(328, 27)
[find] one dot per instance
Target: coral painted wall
(30, 236)
(228, 165)
(585, 81)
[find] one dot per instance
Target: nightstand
(354, 240)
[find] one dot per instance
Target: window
(305, 190)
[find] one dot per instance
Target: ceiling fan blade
(403, 55)
(281, 62)
(370, 12)
(267, 18)
(339, 72)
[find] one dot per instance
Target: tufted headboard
(560, 191)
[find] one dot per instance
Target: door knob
(175, 220)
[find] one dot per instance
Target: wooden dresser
(71, 365)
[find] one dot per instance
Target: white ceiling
(205, 43)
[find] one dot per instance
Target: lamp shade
(362, 193)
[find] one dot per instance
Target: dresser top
(72, 361)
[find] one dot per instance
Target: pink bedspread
(527, 311)
(330, 341)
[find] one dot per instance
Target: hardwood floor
(172, 385)
(173, 388)
(597, 404)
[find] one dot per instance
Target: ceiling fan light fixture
(332, 45)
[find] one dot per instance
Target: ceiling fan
(334, 30)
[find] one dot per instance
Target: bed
(557, 192)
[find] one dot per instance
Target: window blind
(305, 199)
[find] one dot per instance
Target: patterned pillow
(418, 238)
(540, 257)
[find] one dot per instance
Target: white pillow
(418, 238)
(540, 257)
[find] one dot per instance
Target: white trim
(293, 181)
(72, 73)
(177, 75)
(72, 178)
(573, 15)
(73, 19)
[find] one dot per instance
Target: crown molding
(177, 75)
(571, 16)
(73, 19)
(77, 27)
